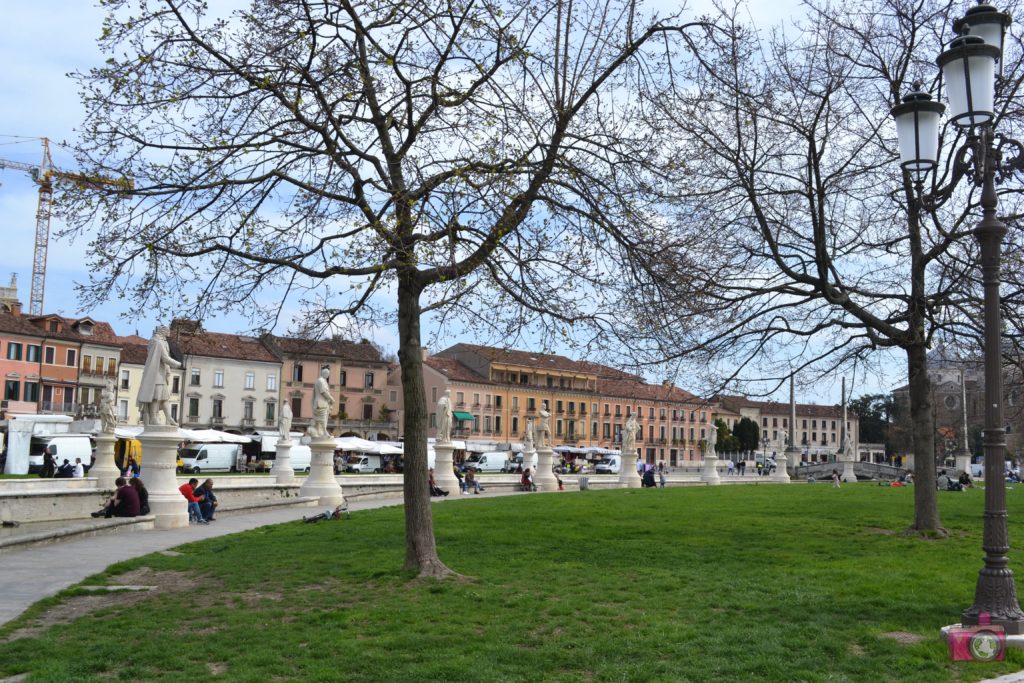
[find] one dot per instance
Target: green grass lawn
(732, 583)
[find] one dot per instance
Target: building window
(32, 353)
(86, 363)
(342, 378)
(269, 413)
(607, 433)
(487, 423)
(250, 380)
(218, 379)
(126, 379)
(272, 382)
(193, 409)
(13, 351)
(111, 366)
(247, 410)
(174, 412)
(368, 380)
(12, 389)
(460, 398)
(433, 394)
(296, 373)
(393, 395)
(433, 420)
(175, 384)
(497, 424)
(72, 358)
(296, 406)
(367, 411)
(558, 427)
(515, 425)
(50, 355)
(99, 364)
(497, 404)
(218, 407)
(195, 377)
(515, 403)
(122, 410)
(531, 404)
(593, 430)
(32, 392)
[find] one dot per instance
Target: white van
(300, 456)
(210, 457)
(64, 446)
(364, 463)
(610, 465)
(492, 461)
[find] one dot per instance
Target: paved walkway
(32, 573)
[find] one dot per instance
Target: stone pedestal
(321, 482)
(104, 469)
(709, 475)
(444, 469)
(848, 474)
(781, 473)
(282, 468)
(629, 478)
(963, 462)
(159, 459)
(544, 478)
(793, 455)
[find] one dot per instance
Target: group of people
(202, 502)
(65, 470)
(130, 499)
(468, 481)
(944, 482)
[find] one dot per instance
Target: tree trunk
(926, 509)
(420, 548)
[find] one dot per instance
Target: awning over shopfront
(460, 415)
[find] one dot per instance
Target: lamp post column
(995, 593)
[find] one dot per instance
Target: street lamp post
(969, 70)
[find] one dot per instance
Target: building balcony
(270, 423)
(460, 404)
(459, 432)
(56, 408)
(217, 420)
(248, 422)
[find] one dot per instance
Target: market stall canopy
(196, 435)
(460, 415)
(354, 443)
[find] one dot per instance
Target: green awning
(459, 415)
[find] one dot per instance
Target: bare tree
(475, 158)
(821, 253)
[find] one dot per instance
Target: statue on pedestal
(712, 440)
(542, 434)
(528, 445)
(444, 417)
(785, 438)
(284, 425)
(155, 387)
(629, 438)
(322, 404)
(108, 415)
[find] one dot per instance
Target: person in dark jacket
(143, 492)
(208, 504)
(49, 464)
(648, 479)
(124, 502)
(65, 471)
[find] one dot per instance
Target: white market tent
(195, 435)
(354, 443)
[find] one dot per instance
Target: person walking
(835, 479)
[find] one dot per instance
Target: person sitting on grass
(189, 491)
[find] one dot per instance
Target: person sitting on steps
(526, 481)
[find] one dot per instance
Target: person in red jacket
(189, 491)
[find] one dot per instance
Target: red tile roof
(776, 408)
(455, 370)
(527, 359)
(361, 352)
(134, 353)
(218, 345)
(642, 391)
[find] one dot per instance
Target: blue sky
(40, 43)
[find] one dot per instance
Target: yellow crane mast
(44, 174)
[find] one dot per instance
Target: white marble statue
(284, 425)
(322, 404)
(629, 437)
(542, 433)
(108, 414)
(155, 387)
(528, 444)
(712, 440)
(444, 417)
(785, 438)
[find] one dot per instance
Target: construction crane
(44, 174)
